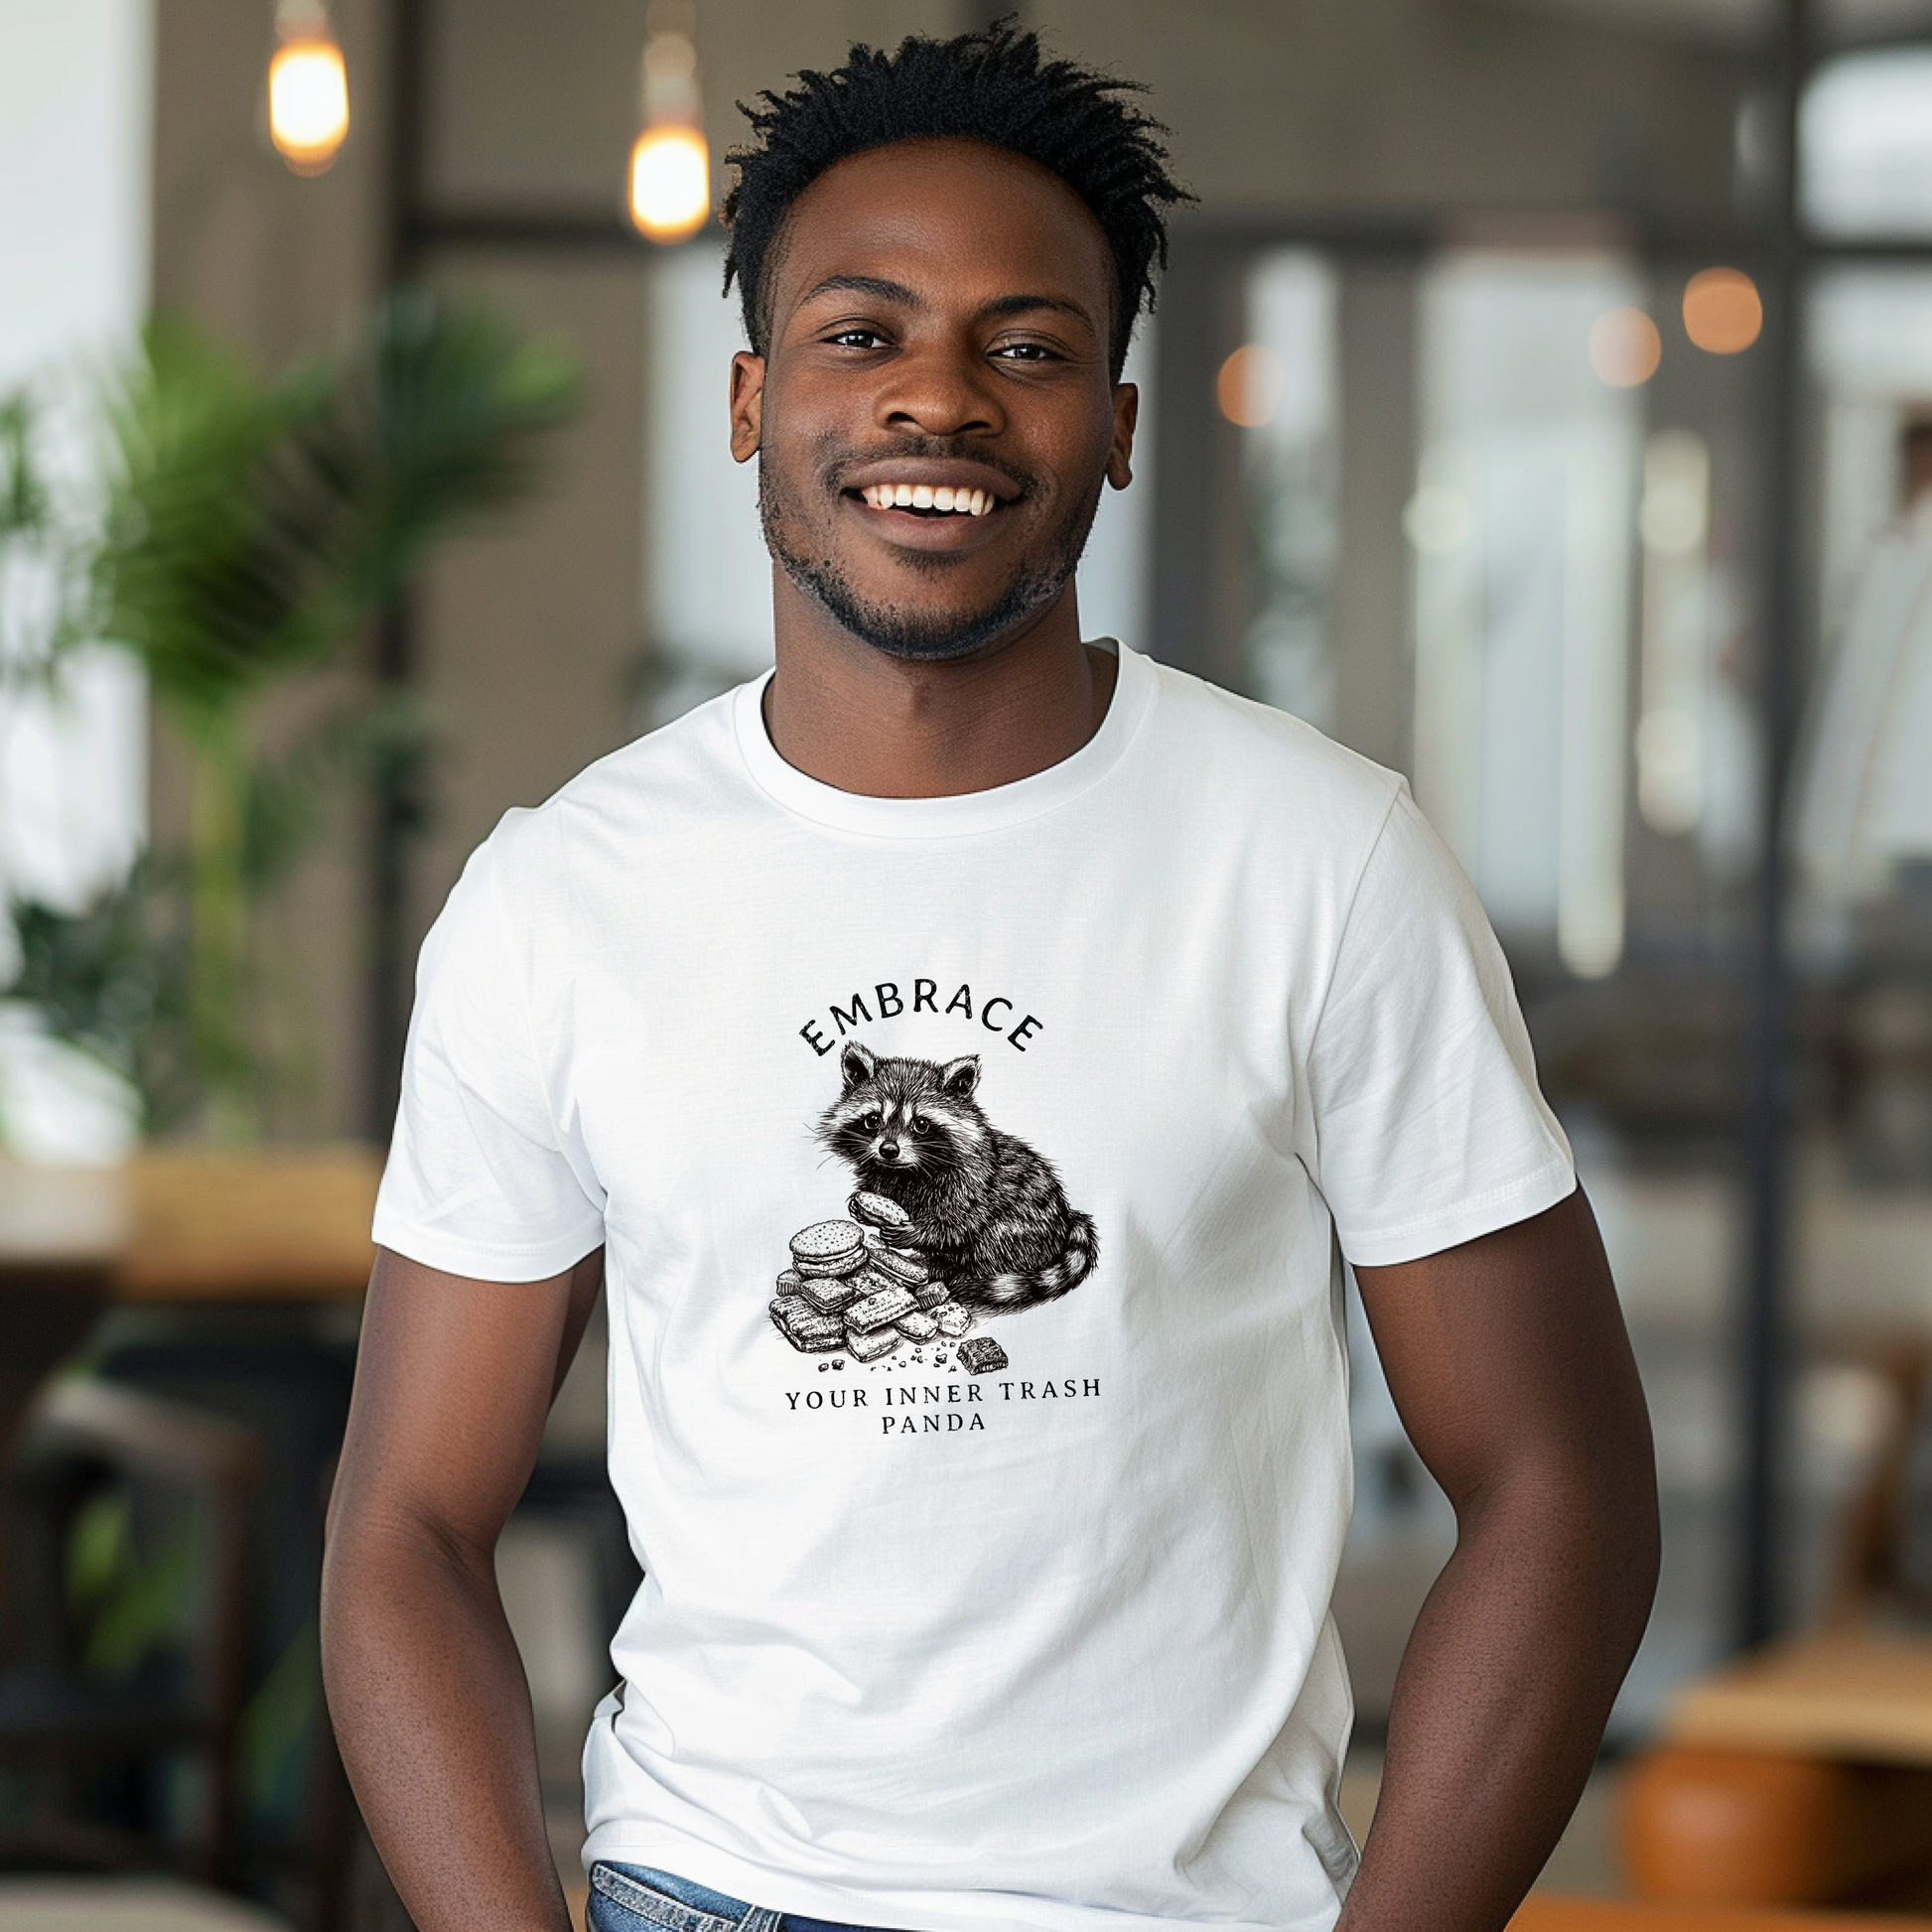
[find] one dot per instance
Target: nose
(889, 1150)
(940, 388)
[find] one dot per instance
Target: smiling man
(966, 1058)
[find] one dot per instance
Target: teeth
(925, 497)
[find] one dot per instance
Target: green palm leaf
(253, 529)
(258, 525)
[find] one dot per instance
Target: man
(960, 1054)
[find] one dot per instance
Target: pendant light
(670, 166)
(308, 89)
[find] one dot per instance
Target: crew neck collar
(960, 813)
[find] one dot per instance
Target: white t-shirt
(970, 1172)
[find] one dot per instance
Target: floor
(124, 1905)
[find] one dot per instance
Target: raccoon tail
(1022, 1291)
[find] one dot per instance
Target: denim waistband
(677, 1904)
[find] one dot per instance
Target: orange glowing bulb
(307, 104)
(1624, 348)
(1248, 388)
(1722, 311)
(671, 183)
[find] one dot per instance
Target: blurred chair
(1803, 1775)
(73, 1723)
(1885, 1552)
(286, 1380)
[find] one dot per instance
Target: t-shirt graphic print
(972, 1176)
(953, 1221)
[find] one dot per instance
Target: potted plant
(250, 531)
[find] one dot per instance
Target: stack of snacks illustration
(860, 1286)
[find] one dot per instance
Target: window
(1280, 387)
(1521, 526)
(1865, 144)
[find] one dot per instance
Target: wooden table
(1554, 1912)
(1859, 1695)
(188, 1225)
(174, 1225)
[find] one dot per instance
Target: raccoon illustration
(987, 1211)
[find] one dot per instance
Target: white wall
(76, 86)
(75, 90)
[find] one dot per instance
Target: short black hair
(994, 86)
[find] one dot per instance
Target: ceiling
(1739, 22)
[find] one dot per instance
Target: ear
(857, 1065)
(960, 1078)
(1126, 414)
(747, 405)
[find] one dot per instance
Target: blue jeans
(633, 1898)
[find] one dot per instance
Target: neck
(850, 715)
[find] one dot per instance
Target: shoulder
(1247, 764)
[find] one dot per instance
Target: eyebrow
(890, 291)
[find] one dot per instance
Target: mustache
(930, 449)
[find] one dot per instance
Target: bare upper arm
(1509, 1353)
(454, 1378)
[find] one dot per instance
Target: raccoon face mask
(902, 1115)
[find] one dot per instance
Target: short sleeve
(479, 1181)
(1429, 1127)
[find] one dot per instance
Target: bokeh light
(1624, 348)
(1249, 386)
(1722, 311)
(307, 104)
(671, 183)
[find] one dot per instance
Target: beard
(921, 632)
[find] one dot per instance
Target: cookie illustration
(900, 1266)
(981, 1354)
(878, 1311)
(874, 1346)
(877, 1211)
(839, 1265)
(826, 1241)
(805, 1328)
(831, 1293)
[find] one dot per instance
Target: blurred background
(1539, 401)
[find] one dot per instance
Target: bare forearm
(1500, 1705)
(432, 1711)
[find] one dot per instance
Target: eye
(856, 338)
(1025, 353)
(871, 1123)
(921, 1124)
